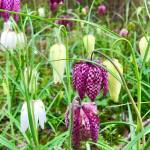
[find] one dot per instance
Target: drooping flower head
(10, 5)
(89, 79)
(39, 115)
(114, 84)
(143, 45)
(85, 122)
(54, 4)
(102, 9)
(63, 21)
(89, 43)
(57, 58)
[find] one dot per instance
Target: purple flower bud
(85, 122)
(89, 79)
(102, 9)
(123, 32)
(10, 5)
(66, 23)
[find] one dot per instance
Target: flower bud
(41, 12)
(57, 58)
(31, 78)
(85, 10)
(21, 40)
(102, 9)
(123, 32)
(114, 85)
(89, 43)
(143, 44)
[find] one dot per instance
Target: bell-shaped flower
(38, 108)
(114, 85)
(31, 79)
(41, 12)
(8, 39)
(89, 79)
(10, 5)
(85, 122)
(89, 43)
(143, 45)
(21, 40)
(58, 61)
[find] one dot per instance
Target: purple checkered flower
(89, 79)
(10, 5)
(54, 4)
(85, 122)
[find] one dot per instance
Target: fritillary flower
(10, 5)
(39, 115)
(85, 122)
(89, 79)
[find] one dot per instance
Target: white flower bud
(39, 114)
(21, 40)
(114, 85)
(41, 12)
(57, 53)
(31, 79)
(89, 43)
(143, 44)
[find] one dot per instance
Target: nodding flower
(89, 43)
(10, 5)
(38, 112)
(89, 79)
(58, 61)
(85, 121)
(8, 38)
(54, 4)
(114, 84)
(143, 45)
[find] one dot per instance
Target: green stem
(138, 76)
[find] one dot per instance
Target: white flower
(89, 43)
(57, 53)
(21, 40)
(8, 39)
(143, 44)
(39, 115)
(41, 12)
(114, 85)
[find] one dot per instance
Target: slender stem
(125, 85)
(138, 76)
